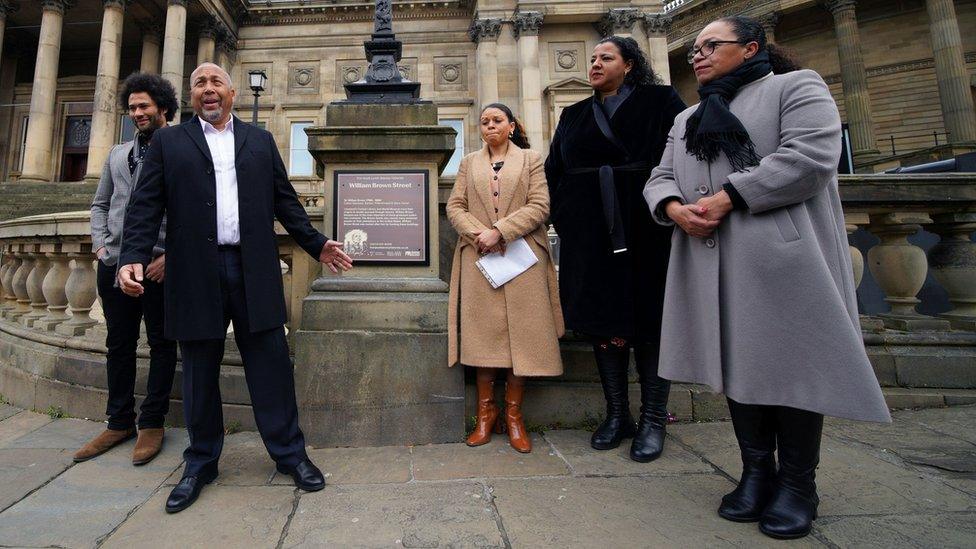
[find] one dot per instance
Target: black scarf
(713, 128)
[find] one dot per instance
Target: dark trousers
(270, 381)
(123, 315)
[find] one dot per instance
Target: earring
(511, 135)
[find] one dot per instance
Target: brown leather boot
(105, 441)
(518, 436)
(149, 443)
(487, 409)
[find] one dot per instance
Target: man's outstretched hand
(333, 256)
(130, 279)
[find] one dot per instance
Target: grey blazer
(111, 202)
(764, 309)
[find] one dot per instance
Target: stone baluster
(53, 289)
(4, 279)
(953, 264)
(9, 297)
(900, 268)
(853, 221)
(20, 286)
(81, 291)
(35, 281)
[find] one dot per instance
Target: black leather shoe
(307, 476)
(185, 493)
(612, 364)
(755, 430)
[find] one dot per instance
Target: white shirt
(221, 143)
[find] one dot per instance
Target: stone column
(207, 42)
(226, 48)
(619, 22)
(174, 47)
(857, 100)
(950, 70)
(485, 32)
(769, 22)
(656, 27)
(105, 113)
(526, 29)
(152, 39)
(40, 129)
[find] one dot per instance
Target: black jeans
(123, 315)
(270, 381)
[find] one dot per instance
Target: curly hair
(158, 88)
(748, 30)
(641, 74)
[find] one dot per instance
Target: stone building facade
(903, 71)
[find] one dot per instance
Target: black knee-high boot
(612, 363)
(755, 429)
(793, 508)
(648, 443)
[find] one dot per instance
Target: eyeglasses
(708, 48)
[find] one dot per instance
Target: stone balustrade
(48, 277)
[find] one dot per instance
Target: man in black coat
(222, 183)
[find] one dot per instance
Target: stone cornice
(527, 23)
(895, 68)
(358, 11)
(485, 29)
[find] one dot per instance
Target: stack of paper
(499, 269)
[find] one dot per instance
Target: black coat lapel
(193, 128)
(241, 130)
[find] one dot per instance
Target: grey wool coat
(764, 310)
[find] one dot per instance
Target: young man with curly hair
(150, 102)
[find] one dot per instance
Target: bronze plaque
(381, 216)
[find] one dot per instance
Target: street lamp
(257, 79)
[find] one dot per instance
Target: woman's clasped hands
(701, 218)
(489, 241)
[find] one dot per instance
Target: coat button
(210, 203)
(703, 189)
(210, 239)
(496, 210)
(710, 243)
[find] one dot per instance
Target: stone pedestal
(371, 352)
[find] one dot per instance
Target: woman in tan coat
(499, 196)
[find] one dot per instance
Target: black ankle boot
(793, 508)
(612, 364)
(755, 429)
(648, 442)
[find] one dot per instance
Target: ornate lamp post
(257, 79)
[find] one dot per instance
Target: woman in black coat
(613, 257)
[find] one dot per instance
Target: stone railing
(48, 280)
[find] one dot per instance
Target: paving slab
(88, 500)
(922, 531)
(60, 433)
(495, 459)
(19, 425)
(574, 447)
(913, 441)
(381, 465)
(7, 410)
(452, 514)
(850, 481)
(223, 516)
(26, 469)
(956, 421)
(623, 512)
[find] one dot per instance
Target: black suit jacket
(178, 179)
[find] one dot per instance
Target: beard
(212, 116)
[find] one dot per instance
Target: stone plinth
(371, 353)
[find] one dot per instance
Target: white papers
(499, 269)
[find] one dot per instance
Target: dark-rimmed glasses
(708, 48)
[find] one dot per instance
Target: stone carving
(527, 23)
(485, 29)
(303, 77)
(383, 21)
(121, 4)
(839, 6)
(451, 72)
(566, 59)
(618, 20)
(8, 7)
(58, 6)
(404, 71)
(150, 29)
(351, 74)
(657, 23)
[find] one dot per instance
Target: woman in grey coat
(760, 300)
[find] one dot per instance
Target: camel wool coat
(764, 310)
(519, 324)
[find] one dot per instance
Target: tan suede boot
(487, 409)
(149, 443)
(108, 439)
(518, 435)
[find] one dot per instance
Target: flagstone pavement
(909, 484)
